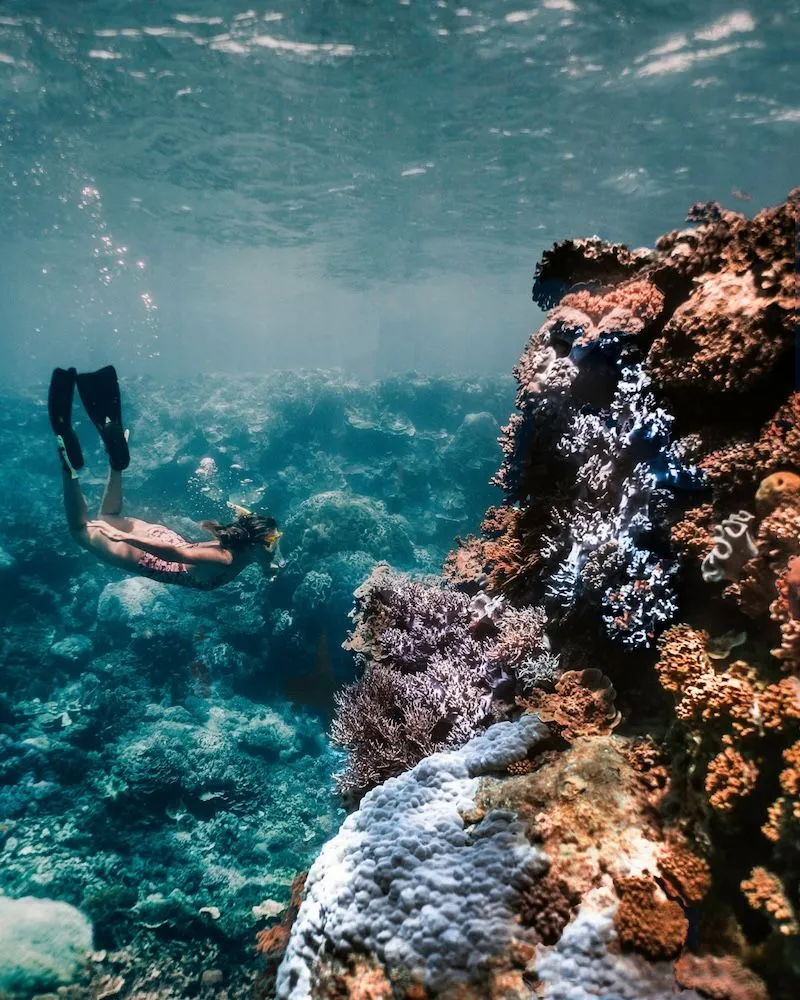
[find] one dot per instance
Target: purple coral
(437, 668)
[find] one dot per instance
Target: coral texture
(436, 663)
(639, 589)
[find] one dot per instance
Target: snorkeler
(150, 550)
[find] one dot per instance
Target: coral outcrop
(646, 560)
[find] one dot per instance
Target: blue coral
(610, 549)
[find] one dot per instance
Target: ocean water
(352, 183)
(304, 234)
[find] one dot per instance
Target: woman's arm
(192, 554)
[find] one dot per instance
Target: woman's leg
(74, 503)
(112, 498)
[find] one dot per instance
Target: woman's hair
(246, 530)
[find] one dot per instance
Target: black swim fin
(99, 392)
(59, 409)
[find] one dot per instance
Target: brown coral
(782, 611)
(738, 467)
(517, 767)
(686, 871)
(546, 904)
(726, 338)
(737, 326)
(729, 778)
(777, 541)
(765, 892)
(778, 489)
(719, 978)
(572, 262)
(646, 920)
(691, 537)
(582, 704)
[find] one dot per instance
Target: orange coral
(272, 941)
(729, 778)
(646, 920)
(582, 704)
(637, 298)
(466, 563)
(782, 611)
(719, 978)
(520, 767)
(683, 657)
(764, 892)
(685, 870)
(790, 776)
(685, 669)
(692, 536)
(786, 809)
(778, 489)
(779, 704)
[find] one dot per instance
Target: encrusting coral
(638, 589)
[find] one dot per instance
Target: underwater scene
(400, 568)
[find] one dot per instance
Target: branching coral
(729, 778)
(435, 662)
(764, 891)
(622, 488)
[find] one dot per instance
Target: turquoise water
(266, 218)
(364, 184)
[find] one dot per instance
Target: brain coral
(405, 881)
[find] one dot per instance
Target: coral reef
(436, 665)
(163, 760)
(648, 553)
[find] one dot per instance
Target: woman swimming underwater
(150, 550)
